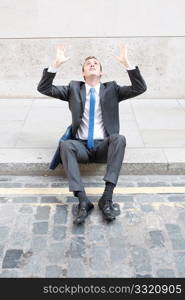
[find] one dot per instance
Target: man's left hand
(122, 58)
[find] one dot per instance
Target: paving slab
(30, 130)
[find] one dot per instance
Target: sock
(108, 192)
(82, 197)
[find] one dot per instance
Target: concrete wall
(87, 18)
(153, 30)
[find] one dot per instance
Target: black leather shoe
(107, 209)
(83, 212)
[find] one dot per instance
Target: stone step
(26, 161)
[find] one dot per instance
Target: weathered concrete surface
(160, 59)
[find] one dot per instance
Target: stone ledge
(137, 161)
(42, 169)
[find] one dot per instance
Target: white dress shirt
(99, 131)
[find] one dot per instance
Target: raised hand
(60, 56)
(123, 58)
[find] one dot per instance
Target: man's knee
(66, 145)
(118, 138)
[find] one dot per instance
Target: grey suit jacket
(110, 96)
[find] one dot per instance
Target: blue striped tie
(90, 141)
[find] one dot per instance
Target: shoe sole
(109, 219)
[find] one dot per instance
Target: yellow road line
(94, 190)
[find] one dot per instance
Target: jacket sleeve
(46, 87)
(137, 87)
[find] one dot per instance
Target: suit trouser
(110, 150)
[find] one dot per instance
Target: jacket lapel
(83, 95)
(102, 93)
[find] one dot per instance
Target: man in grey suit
(95, 125)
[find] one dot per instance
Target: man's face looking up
(91, 68)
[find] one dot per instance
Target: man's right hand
(60, 56)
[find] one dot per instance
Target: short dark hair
(89, 57)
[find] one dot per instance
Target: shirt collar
(97, 88)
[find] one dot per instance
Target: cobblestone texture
(38, 237)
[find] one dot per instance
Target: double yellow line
(94, 190)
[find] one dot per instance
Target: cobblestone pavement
(39, 239)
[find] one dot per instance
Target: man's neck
(92, 81)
